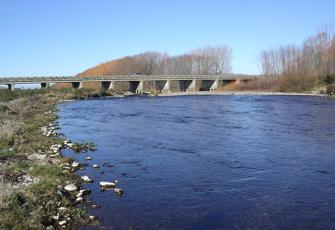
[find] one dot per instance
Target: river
(209, 162)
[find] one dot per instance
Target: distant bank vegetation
(288, 68)
(299, 67)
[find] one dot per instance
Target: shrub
(329, 79)
(7, 95)
(331, 89)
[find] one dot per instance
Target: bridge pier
(112, 85)
(192, 86)
(205, 85)
(136, 87)
(140, 88)
(184, 85)
(159, 85)
(107, 85)
(77, 85)
(44, 85)
(166, 88)
(216, 84)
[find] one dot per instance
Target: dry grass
(259, 85)
(8, 128)
(22, 114)
(4, 190)
(296, 83)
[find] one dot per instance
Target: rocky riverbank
(38, 186)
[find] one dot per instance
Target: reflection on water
(209, 162)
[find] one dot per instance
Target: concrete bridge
(136, 83)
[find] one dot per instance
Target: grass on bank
(296, 84)
(22, 114)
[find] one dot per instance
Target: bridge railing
(59, 79)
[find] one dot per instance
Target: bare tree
(302, 66)
(208, 60)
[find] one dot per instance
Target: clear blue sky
(64, 37)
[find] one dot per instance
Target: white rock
(75, 164)
(37, 156)
(92, 218)
(88, 158)
(63, 222)
(62, 209)
(50, 228)
(87, 179)
(54, 155)
(28, 179)
(85, 192)
(79, 199)
(95, 166)
(105, 184)
(118, 191)
(66, 167)
(71, 187)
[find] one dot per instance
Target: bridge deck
(63, 79)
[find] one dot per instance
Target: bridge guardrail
(59, 79)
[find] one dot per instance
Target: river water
(209, 162)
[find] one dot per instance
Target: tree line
(286, 68)
(207, 60)
(300, 67)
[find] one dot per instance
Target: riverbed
(209, 162)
